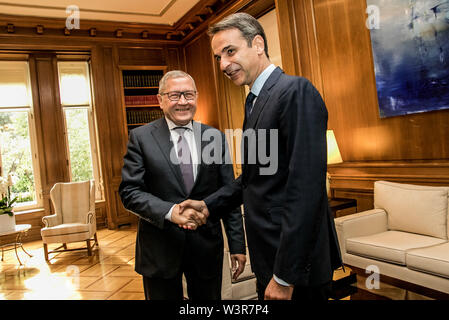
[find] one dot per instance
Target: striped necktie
(185, 159)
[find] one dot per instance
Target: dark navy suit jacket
(290, 228)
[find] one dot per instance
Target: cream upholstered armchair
(244, 288)
(74, 219)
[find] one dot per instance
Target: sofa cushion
(434, 259)
(67, 228)
(412, 208)
(389, 246)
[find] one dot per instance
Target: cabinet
(139, 90)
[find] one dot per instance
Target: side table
(19, 231)
(337, 204)
(343, 287)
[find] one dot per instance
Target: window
(18, 147)
(76, 101)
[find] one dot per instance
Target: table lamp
(333, 155)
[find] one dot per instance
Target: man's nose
(224, 64)
(182, 99)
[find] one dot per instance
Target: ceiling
(165, 12)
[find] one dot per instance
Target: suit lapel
(259, 105)
(262, 99)
(198, 130)
(163, 138)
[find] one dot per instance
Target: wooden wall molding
(254, 7)
(363, 173)
(356, 179)
(195, 21)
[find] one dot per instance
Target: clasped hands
(190, 214)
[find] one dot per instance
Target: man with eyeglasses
(162, 168)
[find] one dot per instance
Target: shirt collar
(172, 125)
(261, 79)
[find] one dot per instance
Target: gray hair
(248, 26)
(171, 75)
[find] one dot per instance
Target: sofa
(405, 237)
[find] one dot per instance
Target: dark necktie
(249, 103)
(185, 159)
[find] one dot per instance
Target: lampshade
(333, 154)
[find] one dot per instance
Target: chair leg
(46, 251)
(96, 239)
(89, 248)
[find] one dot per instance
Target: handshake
(190, 214)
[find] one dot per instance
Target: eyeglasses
(176, 95)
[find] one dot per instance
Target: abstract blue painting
(411, 56)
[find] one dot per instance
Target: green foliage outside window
(79, 144)
(16, 158)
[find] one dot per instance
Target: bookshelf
(140, 87)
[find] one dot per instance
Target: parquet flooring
(107, 275)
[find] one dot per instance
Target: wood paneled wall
(351, 96)
(108, 54)
(330, 44)
(220, 102)
(325, 41)
(200, 65)
(106, 59)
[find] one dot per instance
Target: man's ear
(259, 44)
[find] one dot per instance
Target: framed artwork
(411, 55)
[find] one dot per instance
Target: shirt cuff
(281, 282)
(168, 215)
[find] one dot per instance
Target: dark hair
(247, 24)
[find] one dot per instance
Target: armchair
(244, 288)
(74, 218)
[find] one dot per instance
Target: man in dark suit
(291, 234)
(162, 167)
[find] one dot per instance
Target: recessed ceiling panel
(138, 11)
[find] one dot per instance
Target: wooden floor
(107, 275)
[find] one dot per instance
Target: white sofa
(405, 236)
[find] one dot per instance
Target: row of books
(141, 100)
(136, 117)
(141, 80)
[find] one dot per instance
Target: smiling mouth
(182, 109)
(233, 73)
